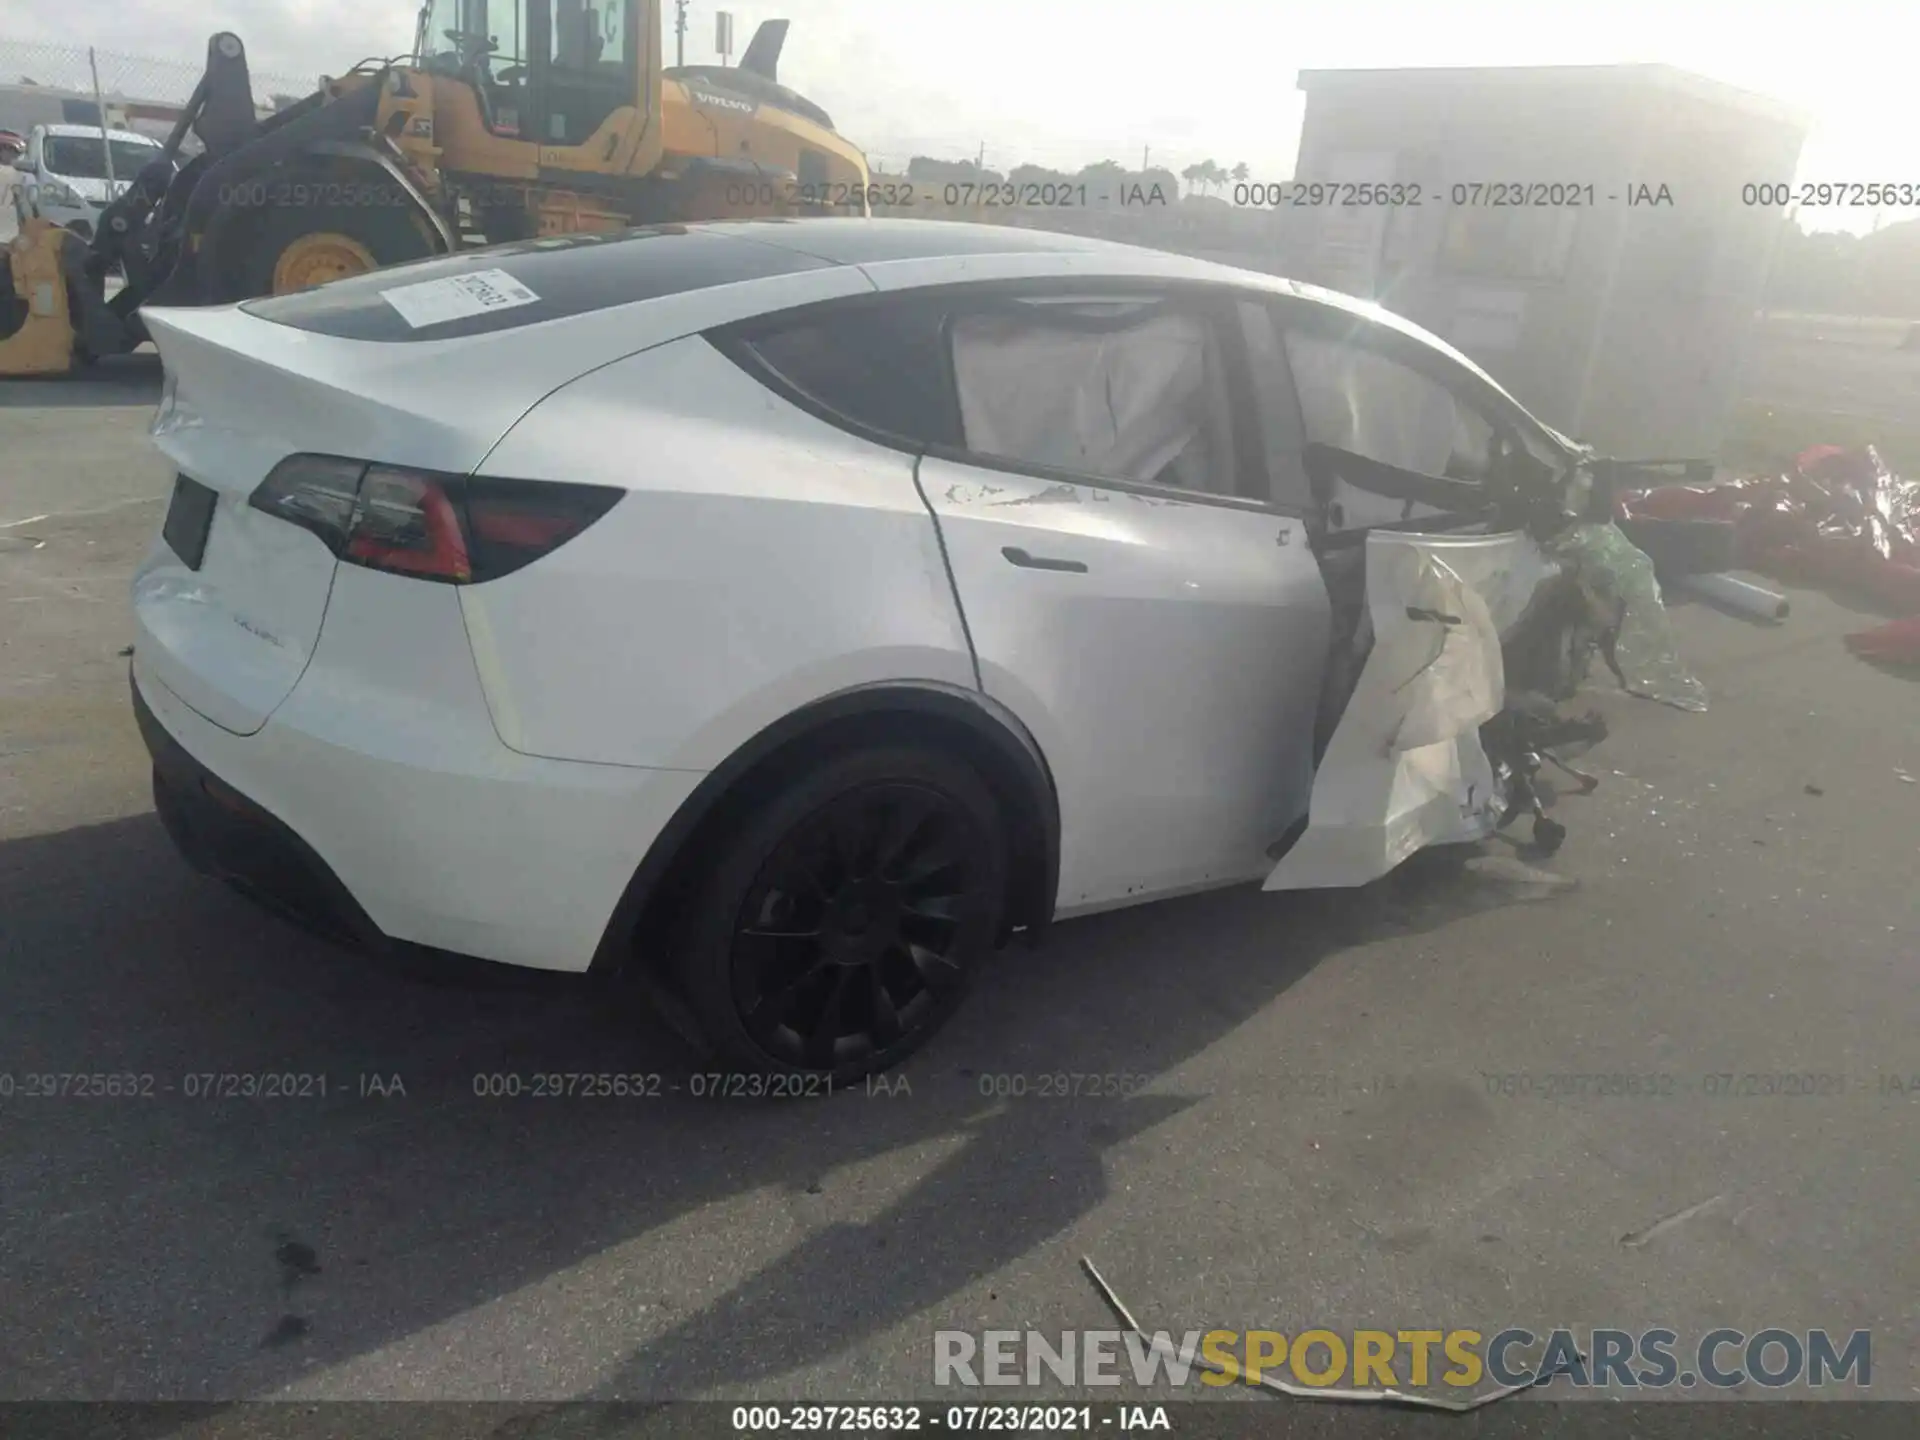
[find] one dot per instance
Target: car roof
(853, 241)
(587, 277)
(92, 132)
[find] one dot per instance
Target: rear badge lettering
(434, 302)
(253, 629)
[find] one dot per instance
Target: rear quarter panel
(762, 559)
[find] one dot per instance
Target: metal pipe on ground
(1741, 596)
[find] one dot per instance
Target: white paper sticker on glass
(434, 302)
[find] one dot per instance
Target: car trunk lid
(230, 629)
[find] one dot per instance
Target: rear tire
(838, 927)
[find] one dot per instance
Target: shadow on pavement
(173, 1246)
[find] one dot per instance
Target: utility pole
(106, 131)
(980, 160)
(1146, 156)
(679, 32)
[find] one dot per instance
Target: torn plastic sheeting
(1645, 649)
(1838, 517)
(1405, 768)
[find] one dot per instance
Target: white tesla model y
(802, 608)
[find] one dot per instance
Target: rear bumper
(444, 839)
(222, 833)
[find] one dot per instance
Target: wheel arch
(995, 741)
(360, 152)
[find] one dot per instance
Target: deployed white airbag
(1126, 400)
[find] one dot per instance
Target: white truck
(64, 173)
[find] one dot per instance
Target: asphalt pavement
(1378, 1109)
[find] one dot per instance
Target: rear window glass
(505, 286)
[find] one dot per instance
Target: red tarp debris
(1839, 518)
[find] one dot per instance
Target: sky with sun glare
(1066, 82)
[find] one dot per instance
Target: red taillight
(448, 528)
(406, 522)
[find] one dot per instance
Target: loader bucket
(36, 325)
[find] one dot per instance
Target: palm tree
(1240, 173)
(1211, 174)
(1192, 175)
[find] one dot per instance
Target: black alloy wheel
(854, 906)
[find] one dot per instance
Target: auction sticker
(434, 302)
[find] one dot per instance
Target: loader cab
(551, 72)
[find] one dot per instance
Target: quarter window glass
(879, 366)
(1131, 391)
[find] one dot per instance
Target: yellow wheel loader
(511, 120)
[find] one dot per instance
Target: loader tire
(294, 247)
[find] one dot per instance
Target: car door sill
(1253, 875)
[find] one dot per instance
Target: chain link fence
(63, 72)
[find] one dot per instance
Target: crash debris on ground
(1465, 653)
(1836, 518)
(1467, 648)
(1191, 1355)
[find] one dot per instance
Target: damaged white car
(794, 610)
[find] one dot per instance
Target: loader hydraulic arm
(135, 230)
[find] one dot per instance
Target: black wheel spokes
(782, 988)
(789, 914)
(823, 1038)
(849, 937)
(821, 867)
(933, 902)
(887, 1024)
(938, 864)
(904, 826)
